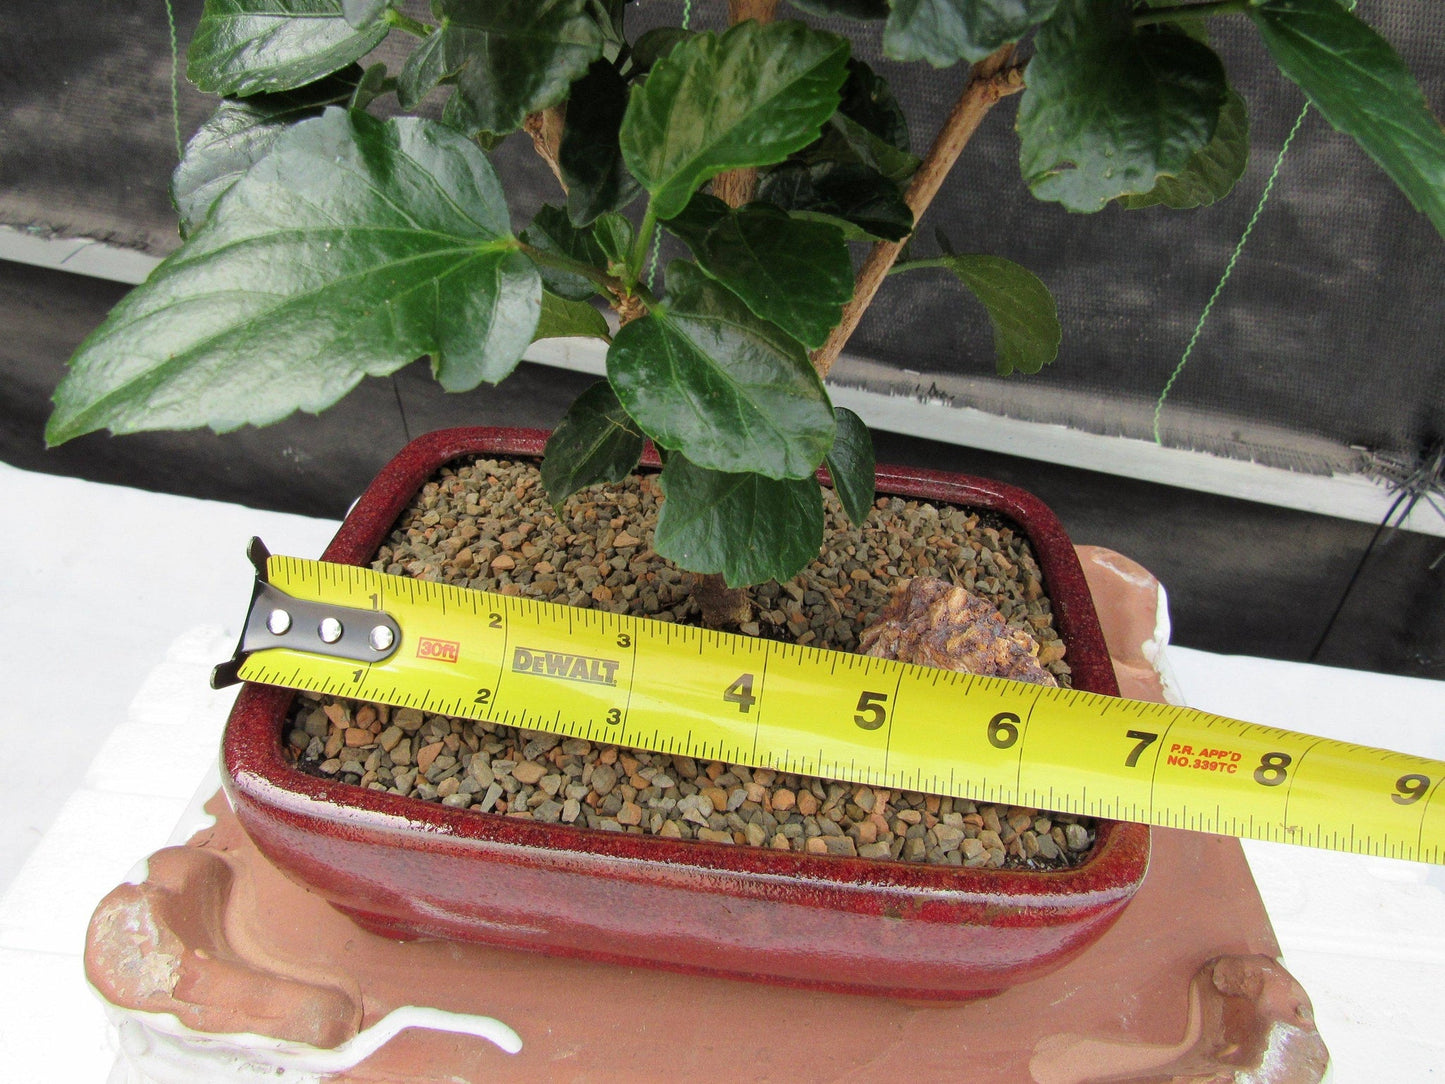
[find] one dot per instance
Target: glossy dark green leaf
(507, 58)
(701, 214)
(373, 85)
(679, 132)
(867, 99)
(846, 9)
(363, 13)
(1213, 172)
(704, 376)
(244, 47)
(652, 45)
(424, 68)
(844, 140)
(350, 250)
(552, 231)
(850, 462)
(611, 16)
(241, 132)
(594, 443)
(792, 272)
(1111, 108)
(844, 192)
(943, 32)
(1363, 88)
(589, 155)
(1026, 332)
(745, 526)
(614, 236)
(563, 319)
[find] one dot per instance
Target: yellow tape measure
(353, 632)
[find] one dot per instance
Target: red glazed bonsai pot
(406, 868)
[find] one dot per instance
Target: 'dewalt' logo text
(559, 664)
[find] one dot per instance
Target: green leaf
(244, 47)
(424, 68)
(362, 13)
(1363, 88)
(594, 443)
(701, 214)
(843, 192)
(654, 44)
(795, 273)
(845, 140)
(1110, 108)
(351, 249)
(589, 155)
(679, 132)
(846, 9)
(239, 134)
(1213, 172)
(867, 99)
(745, 526)
(614, 236)
(563, 319)
(1026, 332)
(507, 57)
(552, 231)
(704, 376)
(371, 86)
(943, 32)
(850, 462)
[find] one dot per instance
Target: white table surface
(117, 603)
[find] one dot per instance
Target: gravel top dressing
(486, 524)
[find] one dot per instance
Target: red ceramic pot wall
(407, 868)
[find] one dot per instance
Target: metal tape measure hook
(276, 619)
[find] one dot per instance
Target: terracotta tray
(406, 868)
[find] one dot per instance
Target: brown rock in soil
(937, 624)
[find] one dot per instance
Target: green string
(657, 237)
(1228, 270)
(175, 81)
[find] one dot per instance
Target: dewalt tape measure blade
(353, 632)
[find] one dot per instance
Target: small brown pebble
(503, 563)
(817, 845)
(784, 799)
(428, 753)
(630, 813)
(528, 772)
(807, 803)
(357, 736)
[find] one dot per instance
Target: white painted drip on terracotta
(156, 1048)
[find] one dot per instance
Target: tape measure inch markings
(352, 632)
